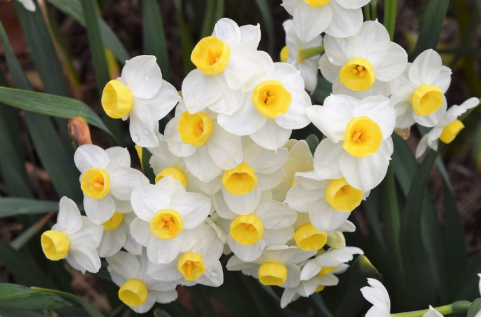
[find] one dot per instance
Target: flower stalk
(310, 52)
(461, 306)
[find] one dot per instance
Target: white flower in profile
(378, 296)
(365, 64)
(339, 18)
(166, 213)
(138, 290)
(358, 146)
(275, 103)
(225, 61)
(117, 236)
(307, 66)
(278, 265)
(206, 147)
(446, 126)
(107, 180)
(249, 234)
(28, 5)
(199, 264)
(432, 313)
(74, 238)
(424, 83)
(141, 94)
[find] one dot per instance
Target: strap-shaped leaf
(17, 296)
(23, 206)
(432, 25)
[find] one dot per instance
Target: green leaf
(148, 171)
(202, 301)
(17, 296)
(268, 24)
(208, 25)
(19, 313)
(313, 142)
(467, 287)
(185, 37)
(219, 10)
(154, 35)
(161, 313)
(474, 308)
(432, 25)
(390, 10)
(28, 234)
(323, 90)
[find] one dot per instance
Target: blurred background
(59, 56)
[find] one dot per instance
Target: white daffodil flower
(28, 5)
(424, 83)
(339, 18)
(364, 64)
(432, 313)
(206, 147)
(199, 264)
(166, 213)
(225, 61)
(378, 296)
(117, 236)
(275, 103)
(242, 186)
(358, 146)
(329, 202)
(278, 265)
(74, 238)
(294, 56)
(446, 126)
(141, 94)
(138, 290)
(249, 234)
(107, 180)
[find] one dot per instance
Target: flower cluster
(228, 177)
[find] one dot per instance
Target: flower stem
(461, 306)
(367, 12)
(310, 52)
(390, 8)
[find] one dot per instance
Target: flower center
(362, 137)
(317, 3)
(309, 238)
(427, 99)
(113, 222)
(247, 229)
(95, 183)
(194, 128)
(271, 273)
(116, 99)
(341, 196)
(271, 99)
(174, 172)
(284, 54)
(166, 224)
(133, 293)
(55, 245)
(240, 180)
(191, 266)
(210, 55)
(326, 270)
(451, 131)
(357, 74)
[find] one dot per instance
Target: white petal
(175, 144)
(388, 60)
(328, 70)
(264, 161)
(444, 79)
(246, 253)
(376, 294)
(372, 31)
(275, 215)
(201, 164)
(455, 111)
(426, 67)
(340, 50)
(112, 242)
(245, 121)
(250, 36)
(434, 118)
(243, 204)
(148, 199)
(143, 127)
(242, 66)
(224, 148)
(338, 88)
(293, 276)
(271, 136)
(197, 186)
(228, 31)
(163, 251)
(165, 272)
(236, 264)
(123, 180)
(325, 218)
(200, 90)
(89, 155)
(432, 312)
(352, 4)
(229, 102)
(422, 146)
(310, 269)
(309, 73)
(301, 199)
(213, 275)
(86, 257)
(222, 208)
(287, 296)
(278, 237)
(69, 218)
(143, 76)
(99, 210)
(379, 109)
(403, 107)
(289, 76)
(140, 231)
(296, 116)
(124, 264)
(326, 159)
(163, 102)
(193, 208)
(309, 21)
(345, 22)
(28, 4)
(145, 307)
(269, 181)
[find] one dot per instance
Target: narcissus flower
(446, 126)
(117, 236)
(107, 180)
(275, 103)
(74, 238)
(295, 57)
(166, 215)
(364, 64)
(138, 290)
(424, 83)
(206, 147)
(199, 264)
(225, 61)
(378, 296)
(339, 18)
(278, 265)
(358, 146)
(141, 94)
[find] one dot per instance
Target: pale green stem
(309, 52)
(461, 306)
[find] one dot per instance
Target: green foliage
(17, 296)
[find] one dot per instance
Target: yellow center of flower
(357, 74)
(55, 245)
(284, 54)
(293, 182)
(342, 196)
(246, 229)
(133, 293)
(317, 3)
(451, 131)
(427, 99)
(362, 137)
(166, 224)
(174, 172)
(240, 180)
(116, 99)
(319, 288)
(309, 238)
(326, 270)
(191, 266)
(194, 128)
(271, 99)
(210, 55)
(272, 273)
(95, 183)
(113, 222)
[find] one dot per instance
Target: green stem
(310, 52)
(390, 8)
(367, 12)
(374, 9)
(461, 306)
